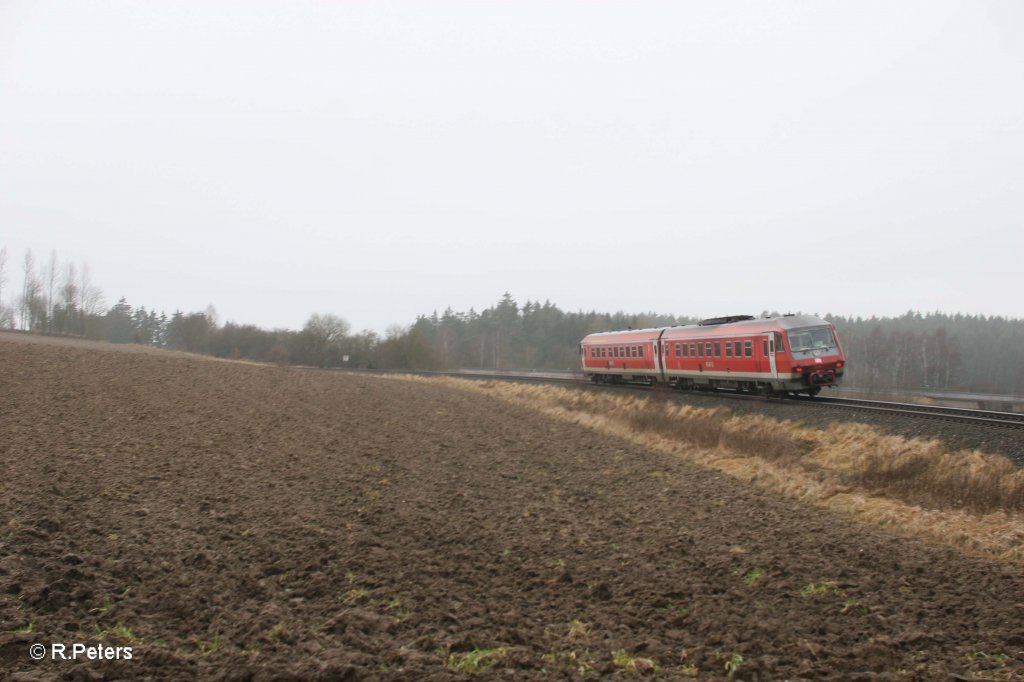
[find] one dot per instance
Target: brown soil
(237, 521)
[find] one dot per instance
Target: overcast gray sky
(379, 160)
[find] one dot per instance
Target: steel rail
(955, 414)
(1011, 420)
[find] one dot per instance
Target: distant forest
(912, 352)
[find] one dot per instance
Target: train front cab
(809, 359)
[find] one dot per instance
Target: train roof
(709, 327)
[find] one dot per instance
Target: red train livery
(781, 355)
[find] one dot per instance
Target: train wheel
(815, 390)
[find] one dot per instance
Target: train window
(739, 349)
(779, 348)
(693, 350)
(764, 346)
(679, 350)
(700, 350)
(718, 349)
(640, 351)
(750, 348)
(771, 345)
(728, 349)
(632, 351)
(604, 352)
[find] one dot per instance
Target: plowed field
(229, 520)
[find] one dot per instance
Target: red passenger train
(781, 355)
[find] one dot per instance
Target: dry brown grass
(921, 471)
(969, 500)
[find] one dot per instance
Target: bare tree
(211, 315)
(5, 320)
(50, 280)
(68, 297)
(324, 334)
(90, 298)
(28, 306)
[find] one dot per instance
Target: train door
(661, 357)
(771, 356)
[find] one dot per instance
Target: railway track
(1013, 420)
(1010, 420)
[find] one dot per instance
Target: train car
(782, 355)
(616, 357)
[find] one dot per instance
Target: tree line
(935, 351)
(912, 351)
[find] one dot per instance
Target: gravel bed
(1005, 441)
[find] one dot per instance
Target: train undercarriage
(772, 388)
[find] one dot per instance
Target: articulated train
(781, 355)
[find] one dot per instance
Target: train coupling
(823, 377)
